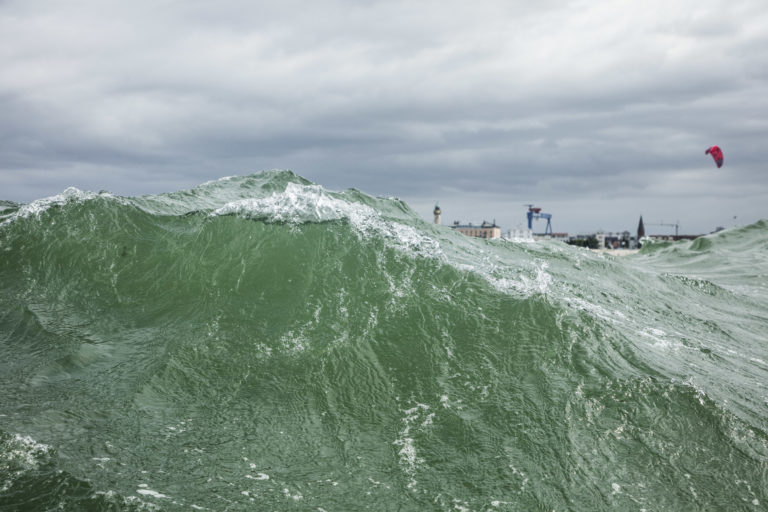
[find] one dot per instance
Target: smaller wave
(70, 195)
(737, 239)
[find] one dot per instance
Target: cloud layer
(598, 111)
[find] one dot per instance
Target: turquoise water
(262, 343)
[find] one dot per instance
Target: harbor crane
(676, 225)
(534, 212)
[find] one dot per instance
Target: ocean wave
(262, 341)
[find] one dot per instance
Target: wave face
(261, 343)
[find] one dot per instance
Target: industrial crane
(534, 212)
(676, 225)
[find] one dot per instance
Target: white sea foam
(591, 308)
(297, 204)
(300, 204)
(22, 453)
(701, 395)
(540, 282)
(408, 456)
(150, 492)
(220, 180)
(70, 195)
(295, 497)
(526, 281)
(25, 450)
(657, 335)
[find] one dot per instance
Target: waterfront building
(485, 230)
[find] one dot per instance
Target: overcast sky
(598, 111)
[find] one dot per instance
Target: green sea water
(262, 343)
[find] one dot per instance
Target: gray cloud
(599, 111)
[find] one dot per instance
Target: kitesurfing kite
(717, 155)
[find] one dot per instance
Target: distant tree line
(590, 242)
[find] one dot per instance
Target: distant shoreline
(617, 252)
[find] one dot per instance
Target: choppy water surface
(261, 343)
